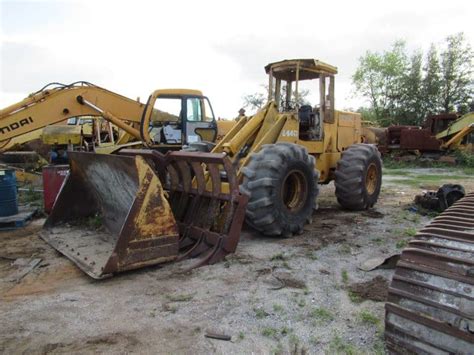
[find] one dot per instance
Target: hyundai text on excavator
(158, 207)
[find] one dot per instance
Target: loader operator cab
(283, 88)
(179, 119)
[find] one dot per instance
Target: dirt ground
(305, 294)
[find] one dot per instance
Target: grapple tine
(210, 227)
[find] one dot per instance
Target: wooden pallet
(18, 220)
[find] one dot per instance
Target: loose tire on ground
(358, 177)
(282, 184)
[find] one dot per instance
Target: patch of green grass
(378, 241)
(408, 216)
(340, 346)
(184, 297)
(398, 232)
(395, 172)
(278, 308)
(241, 336)
(285, 331)
(355, 298)
(270, 332)
(286, 265)
(345, 277)
(278, 257)
(301, 303)
(367, 317)
(466, 159)
(321, 314)
(278, 350)
(378, 347)
(428, 179)
(410, 232)
(401, 244)
(260, 313)
(294, 341)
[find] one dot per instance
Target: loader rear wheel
(358, 177)
(282, 185)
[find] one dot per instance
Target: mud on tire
(358, 177)
(282, 183)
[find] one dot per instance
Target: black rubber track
(263, 180)
(350, 177)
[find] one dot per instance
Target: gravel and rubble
(304, 294)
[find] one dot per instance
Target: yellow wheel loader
(156, 207)
(287, 148)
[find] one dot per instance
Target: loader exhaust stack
(122, 212)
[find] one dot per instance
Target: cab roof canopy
(308, 69)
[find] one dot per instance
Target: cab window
(208, 114)
(193, 109)
(166, 109)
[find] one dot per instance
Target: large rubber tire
(282, 184)
(359, 177)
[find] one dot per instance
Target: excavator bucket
(122, 212)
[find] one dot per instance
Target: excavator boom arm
(49, 106)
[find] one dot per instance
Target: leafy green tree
(403, 89)
(258, 99)
(456, 73)
(380, 78)
(255, 100)
(411, 107)
(431, 85)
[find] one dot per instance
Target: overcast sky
(219, 47)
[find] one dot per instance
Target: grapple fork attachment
(140, 208)
(205, 199)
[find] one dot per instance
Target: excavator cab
(177, 119)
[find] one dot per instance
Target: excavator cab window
(193, 110)
(182, 120)
(200, 124)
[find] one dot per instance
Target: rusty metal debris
(152, 208)
(441, 199)
(430, 307)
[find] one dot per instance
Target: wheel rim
(371, 179)
(294, 191)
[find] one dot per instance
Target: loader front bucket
(153, 208)
(112, 215)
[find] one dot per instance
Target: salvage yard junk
(151, 209)
(441, 199)
(430, 308)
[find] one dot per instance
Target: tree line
(403, 88)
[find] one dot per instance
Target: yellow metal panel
(349, 129)
(326, 164)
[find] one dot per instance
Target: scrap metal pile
(430, 307)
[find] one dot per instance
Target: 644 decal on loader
(122, 212)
